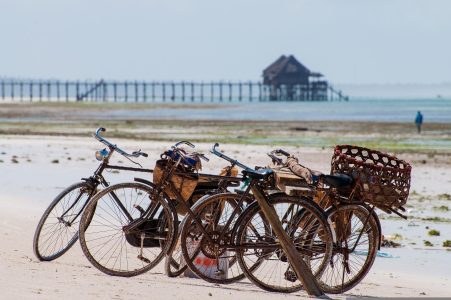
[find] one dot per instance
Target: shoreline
(127, 120)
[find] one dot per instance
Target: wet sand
(127, 120)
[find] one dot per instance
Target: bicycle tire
(174, 265)
(314, 237)
(112, 218)
(57, 207)
(368, 244)
(234, 272)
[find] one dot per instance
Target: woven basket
(185, 183)
(382, 179)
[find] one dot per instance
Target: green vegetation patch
(428, 244)
(434, 232)
(441, 208)
(444, 197)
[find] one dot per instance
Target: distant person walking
(419, 121)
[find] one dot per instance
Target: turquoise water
(434, 110)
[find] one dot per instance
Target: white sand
(28, 187)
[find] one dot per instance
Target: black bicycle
(219, 234)
(127, 228)
(57, 230)
(354, 224)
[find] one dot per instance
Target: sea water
(373, 110)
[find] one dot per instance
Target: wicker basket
(382, 179)
(184, 182)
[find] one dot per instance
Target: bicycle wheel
(57, 230)
(304, 223)
(207, 257)
(357, 241)
(174, 265)
(118, 240)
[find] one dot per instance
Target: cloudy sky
(355, 41)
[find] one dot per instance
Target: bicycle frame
(97, 179)
(149, 213)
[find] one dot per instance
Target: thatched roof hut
(287, 70)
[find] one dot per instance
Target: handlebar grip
(144, 154)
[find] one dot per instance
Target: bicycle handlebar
(280, 151)
(184, 142)
(182, 152)
(116, 148)
(231, 160)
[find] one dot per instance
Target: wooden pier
(17, 90)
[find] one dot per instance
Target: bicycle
(355, 225)
(57, 230)
(130, 239)
(223, 234)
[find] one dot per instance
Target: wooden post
(250, 91)
(303, 272)
(31, 91)
(202, 91)
(136, 91)
(66, 87)
(173, 91)
(126, 91)
(77, 91)
(183, 91)
(153, 90)
(105, 91)
(260, 91)
(164, 91)
(240, 91)
(230, 91)
(89, 96)
(57, 83)
(212, 90)
(21, 90)
(40, 91)
(192, 91)
(48, 91)
(12, 89)
(144, 91)
(95, 86)
(220, 91)
(115, 91)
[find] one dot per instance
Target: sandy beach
(367, 83)
(36, 167)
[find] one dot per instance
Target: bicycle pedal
(219, 272)
(142, 258)
(291, 276)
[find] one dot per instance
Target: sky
(349, 41)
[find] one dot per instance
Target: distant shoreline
(373, 110)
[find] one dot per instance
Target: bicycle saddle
(258, 174)
(338, 180)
